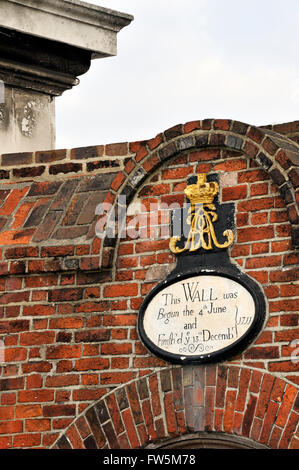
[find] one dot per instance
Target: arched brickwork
(276, 154)
(177, 401)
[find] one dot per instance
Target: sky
(185, 60)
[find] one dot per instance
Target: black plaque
(207, 309)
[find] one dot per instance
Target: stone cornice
(35, 78)
(73, 22)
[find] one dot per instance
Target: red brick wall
(69, 301)
(289, 129)
(225, 399)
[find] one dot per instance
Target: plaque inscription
(199, 315)
(199, 318)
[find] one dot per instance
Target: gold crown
(202, 192)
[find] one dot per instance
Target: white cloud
(184, 60)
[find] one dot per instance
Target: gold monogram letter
(201, 218)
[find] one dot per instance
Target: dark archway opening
(206, 440)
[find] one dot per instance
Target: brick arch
(276, 154)
(174, 402)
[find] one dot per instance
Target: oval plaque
(201, 318)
